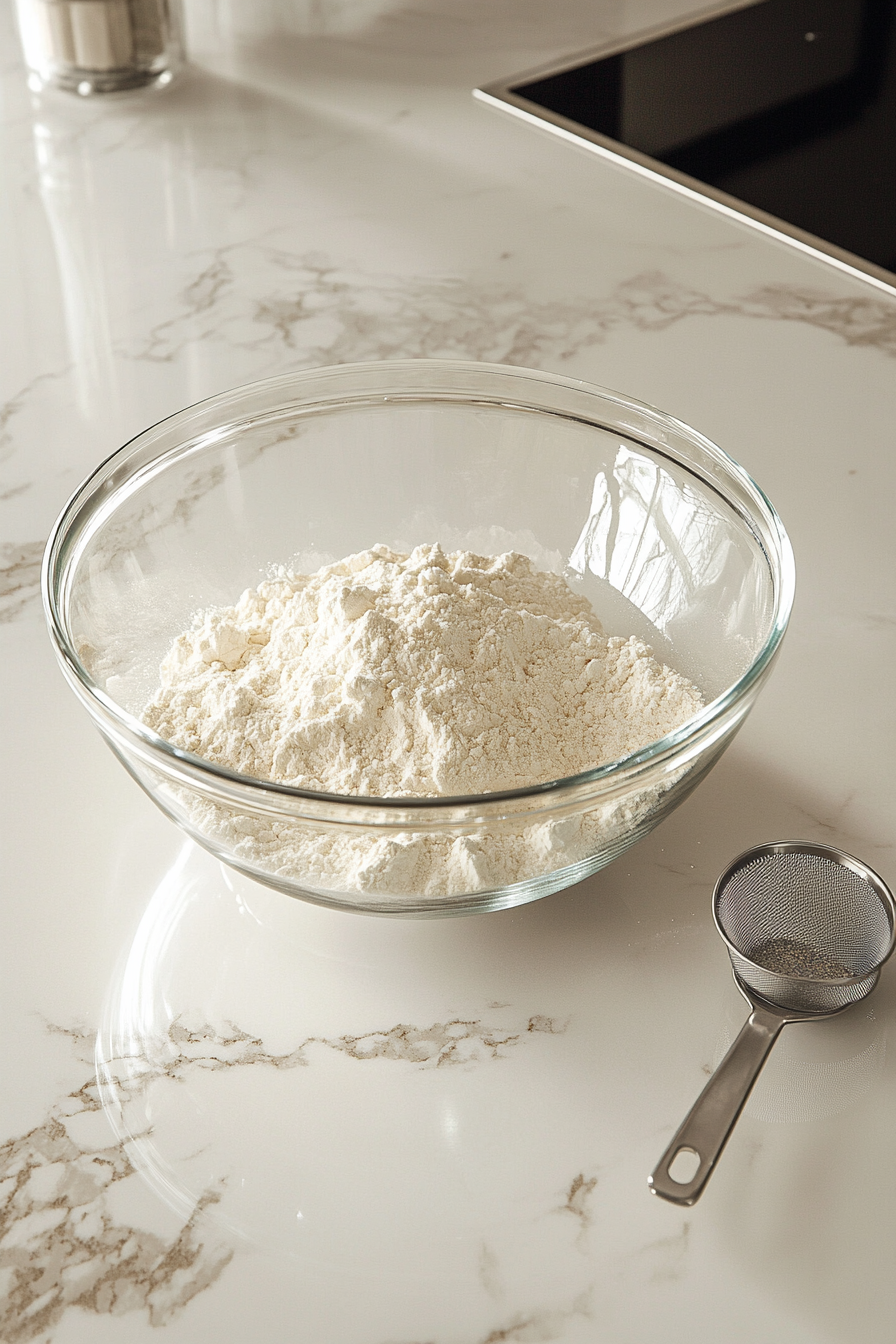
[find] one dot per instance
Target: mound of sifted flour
(416, 675)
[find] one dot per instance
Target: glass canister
(101, 46)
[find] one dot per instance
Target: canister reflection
(68, 192)
(136, 193)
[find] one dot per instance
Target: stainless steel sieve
(808, 929)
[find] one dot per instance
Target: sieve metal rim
(838, 856)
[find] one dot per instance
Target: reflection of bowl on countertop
(669, 539)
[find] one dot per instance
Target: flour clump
(411, 675)
(424, 674)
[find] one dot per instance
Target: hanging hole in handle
(684, 1166)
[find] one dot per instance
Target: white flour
(414, 675)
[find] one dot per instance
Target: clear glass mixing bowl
(667, 536)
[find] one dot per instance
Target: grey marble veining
(62, 1245)
(312, 310)
(19, 577)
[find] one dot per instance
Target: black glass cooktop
(786, 105)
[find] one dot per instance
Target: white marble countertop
(390, 1132)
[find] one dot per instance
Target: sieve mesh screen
(797, 922)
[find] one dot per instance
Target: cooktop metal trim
(500, 94)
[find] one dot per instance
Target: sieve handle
(710, 1121)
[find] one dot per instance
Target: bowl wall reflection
(669, 539)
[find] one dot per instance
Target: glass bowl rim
(614, 774)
